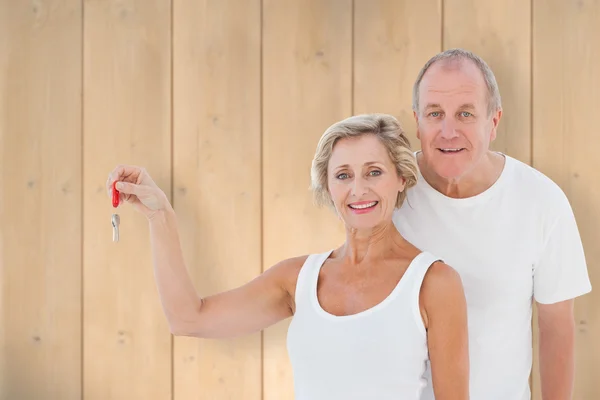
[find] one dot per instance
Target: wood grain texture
(40, 200)
(255, 84)
(566, 100)
(499, 32)
(307, 86)
(127, 93)
(390, 47)
(217, 181)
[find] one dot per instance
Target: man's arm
(556, 349)
(559, 276)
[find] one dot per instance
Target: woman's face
(363, 182)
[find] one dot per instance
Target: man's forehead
(462, 106)
(458, 92)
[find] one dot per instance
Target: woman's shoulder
(293, 265)
(440, 271)
(442, 283)
(441, 276)
(290, 266)
(442, 293)
(287, 270)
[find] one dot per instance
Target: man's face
(453, 124)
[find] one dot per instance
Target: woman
(366, 316)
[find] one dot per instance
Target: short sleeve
(560, 272)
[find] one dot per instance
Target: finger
(122, 172)
(109, 185)
(129, 188)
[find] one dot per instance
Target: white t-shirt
(516, 241)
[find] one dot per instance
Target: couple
(430, 296)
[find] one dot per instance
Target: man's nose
(449, 129)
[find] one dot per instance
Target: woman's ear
(402, 183)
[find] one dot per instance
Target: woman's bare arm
(252, 307)
(443, 300)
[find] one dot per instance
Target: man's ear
(416, 117)
(495, 121)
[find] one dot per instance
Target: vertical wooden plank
(127, 99)
(40, 199)
(566, 99)
(307, 84)
(390, 47)
(217, 181)
(499, 32)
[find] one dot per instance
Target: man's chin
(450, 171)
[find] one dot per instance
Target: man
(505, 227)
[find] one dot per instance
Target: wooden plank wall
(41, 202)
(223, 101)
(566, 104)
(217, 180)
(127, 118)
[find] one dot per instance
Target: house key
(116, 220)
(115, 223)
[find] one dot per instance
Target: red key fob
(115, 195)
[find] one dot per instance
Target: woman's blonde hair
(386, 128)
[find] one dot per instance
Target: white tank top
(380, 353)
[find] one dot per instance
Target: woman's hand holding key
(137, 188)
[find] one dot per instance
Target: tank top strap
(418, 269)
(307, 278)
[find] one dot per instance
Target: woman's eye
(342, 176)
(466, 114)
(375, 173)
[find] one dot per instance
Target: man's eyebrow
(469, 106)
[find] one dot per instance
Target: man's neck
(480, 178)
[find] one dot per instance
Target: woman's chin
(363, 223)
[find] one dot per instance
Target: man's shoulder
(533, 183)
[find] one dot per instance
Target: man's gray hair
(494, 99)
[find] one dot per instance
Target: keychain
(115, 217)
